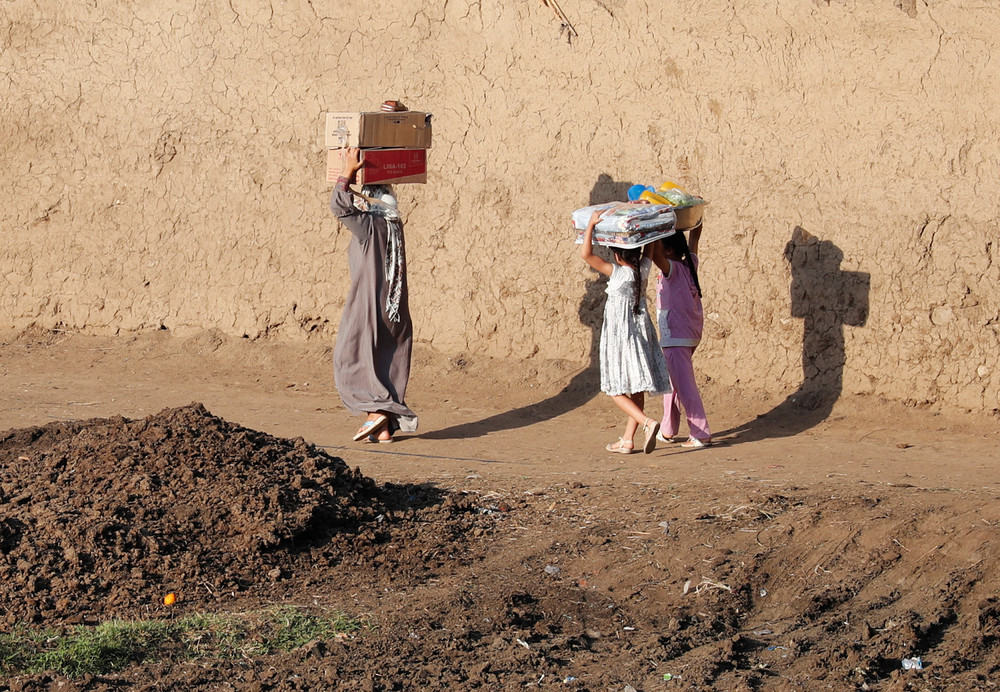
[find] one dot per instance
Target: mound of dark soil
(108, 515)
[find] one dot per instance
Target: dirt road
(805, 550)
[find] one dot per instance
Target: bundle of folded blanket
(626, 225)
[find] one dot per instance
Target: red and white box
(382, 166)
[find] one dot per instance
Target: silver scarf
(394, 267)
(393, 261)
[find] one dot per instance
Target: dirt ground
(500, 547)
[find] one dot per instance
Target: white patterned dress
(631, 358)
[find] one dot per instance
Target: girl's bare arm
(587, 249)
(655, 252)
(694, 235)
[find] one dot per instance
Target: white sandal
(695, 443)
(620, 448)
(651, 428)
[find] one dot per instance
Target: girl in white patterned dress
(631, 360)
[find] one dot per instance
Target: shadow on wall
(826, 298)
(584, 385)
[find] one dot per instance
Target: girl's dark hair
(679, 244)
(632, 257)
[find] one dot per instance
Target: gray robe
(371, 362)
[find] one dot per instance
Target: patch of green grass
(291, 628)
(107, 647)
(116, 644)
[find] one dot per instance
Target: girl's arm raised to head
(655, 252)
(694, 235)
(587, 250)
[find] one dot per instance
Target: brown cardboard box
(382, 166)
(381, 129)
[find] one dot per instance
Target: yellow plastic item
(671, 186)
(653, 198)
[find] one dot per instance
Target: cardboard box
(382, 166)
(381, 129)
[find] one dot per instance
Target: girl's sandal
(651, 428)
(620, 447)
(695, 443)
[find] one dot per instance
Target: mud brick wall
(164, 168)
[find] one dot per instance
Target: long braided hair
(679, 244)
(631, 257)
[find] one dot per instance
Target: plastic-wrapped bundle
(622, 217)
(626, 240)
(675, 197)
(626, 225)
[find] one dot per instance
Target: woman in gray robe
(371, 362)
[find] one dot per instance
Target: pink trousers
(685, 394)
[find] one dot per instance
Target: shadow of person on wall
(826, 298)
(607, 189)
(585, 384)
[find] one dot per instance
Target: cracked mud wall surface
(165, 168)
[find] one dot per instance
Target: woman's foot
(371, 426)
(651, 428)
(695, 443)
(622, 446)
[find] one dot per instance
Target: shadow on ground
(583, 386)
